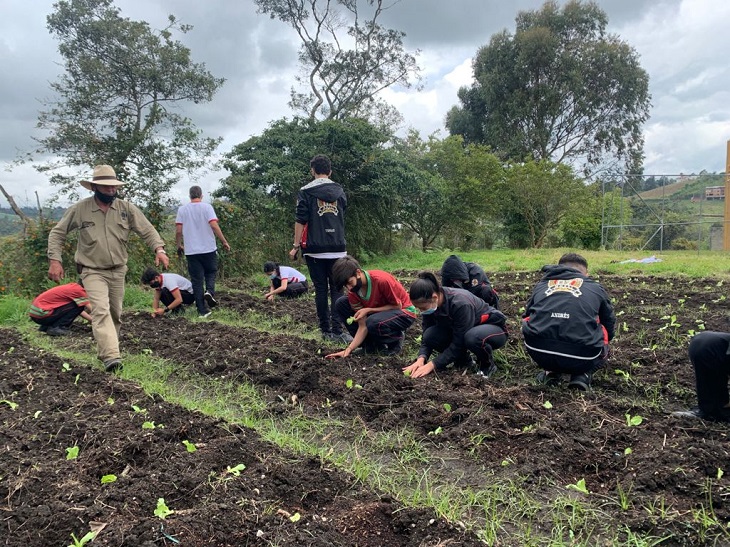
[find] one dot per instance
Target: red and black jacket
(321, 206)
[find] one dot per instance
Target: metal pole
(726, 225)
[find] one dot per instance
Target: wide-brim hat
(104, 175)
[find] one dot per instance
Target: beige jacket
(103, 236)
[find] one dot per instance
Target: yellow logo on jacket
(565, 285)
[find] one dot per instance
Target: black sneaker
(57, 331)
(581, 382)
(113, 365)
(394, 348)
(549, 378)
(487, 371)
(43, 328)
(698, 414)
(212, 302)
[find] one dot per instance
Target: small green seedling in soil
(83, 541)
(625, 375)
(406, 373)
(106, 479)
(436, 431)
(72, 452)
(37, 413)
(76, 380)
(66, 367)
(627, 451)
(295, 517)
(580, 486)
(447, 407)
(633, 420)
(235, 471)
(11, 404)
(350, 320)
(162, 509)
(720, 473)
(139, 410)
(148, 425)
(190, 447)
(268, 361)
(547, 404)
(349, 383)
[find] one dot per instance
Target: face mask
(273, 276)
(104, 198)
(358, 285)
(429, 311)
(155, 284)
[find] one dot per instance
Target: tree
(535, 198)
(344, 82)
(116, 97)
(559, 89)
(276, 163)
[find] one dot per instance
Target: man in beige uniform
(103, 223)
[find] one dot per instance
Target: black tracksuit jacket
(321, 206)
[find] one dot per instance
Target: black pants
(568, 365)
(480, 340)
(385, 327)
(320, 270)
(202, 269)
(708, 352)
(166, 298)
(293, 290)
(61, 317)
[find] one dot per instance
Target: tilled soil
(670, 469)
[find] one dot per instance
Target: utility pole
(726, 224)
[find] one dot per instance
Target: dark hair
(343, 269)
(270, 266)
(424, 287)
(321, 164)
(196, 192)
(573, 258)
(148, 275)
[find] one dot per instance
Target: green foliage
(115, 98)
(560, 88)
(162, 511)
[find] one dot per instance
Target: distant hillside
(684, 189)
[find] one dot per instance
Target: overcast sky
(682, 44)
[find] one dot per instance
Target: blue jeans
(203, 268)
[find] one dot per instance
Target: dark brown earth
(502, 429)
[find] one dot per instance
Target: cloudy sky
(682, 44)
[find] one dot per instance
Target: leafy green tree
(116, 102)
(344, 81)
(276, 163)
(449, 190)
(560, 88)
(536, 196)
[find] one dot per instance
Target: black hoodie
(321, 207)
(469, 276)
(568, 313)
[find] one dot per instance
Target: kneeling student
(380, 308)
(55, 309)
(455, 322)
(568, 322)
(173, 291)
(285, 281)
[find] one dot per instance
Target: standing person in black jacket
(319, 233)
(568, 322)
(454, 323)
(470, 276)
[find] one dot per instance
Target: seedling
(268, 361)
(162, 510)
(406, 373)
(720, 473)
(235, 471)
(190, 447)
(148, 425)
(436, 431)
(507, 461)
(447, 407)
(349, 383)
(37, 413)
(627, 451)
(580, 486)
(106, 479)
(547, 404)
(633, 420)
(83, 541)
(11, 404)
(66, 367)
(139, 410)
(76, 380)
(625, 375)
(295, 517)
(350, 320)
(72, 452)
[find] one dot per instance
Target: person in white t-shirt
(196, 228)
(173, 291)
(285, 281)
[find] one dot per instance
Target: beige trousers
(106, 294)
